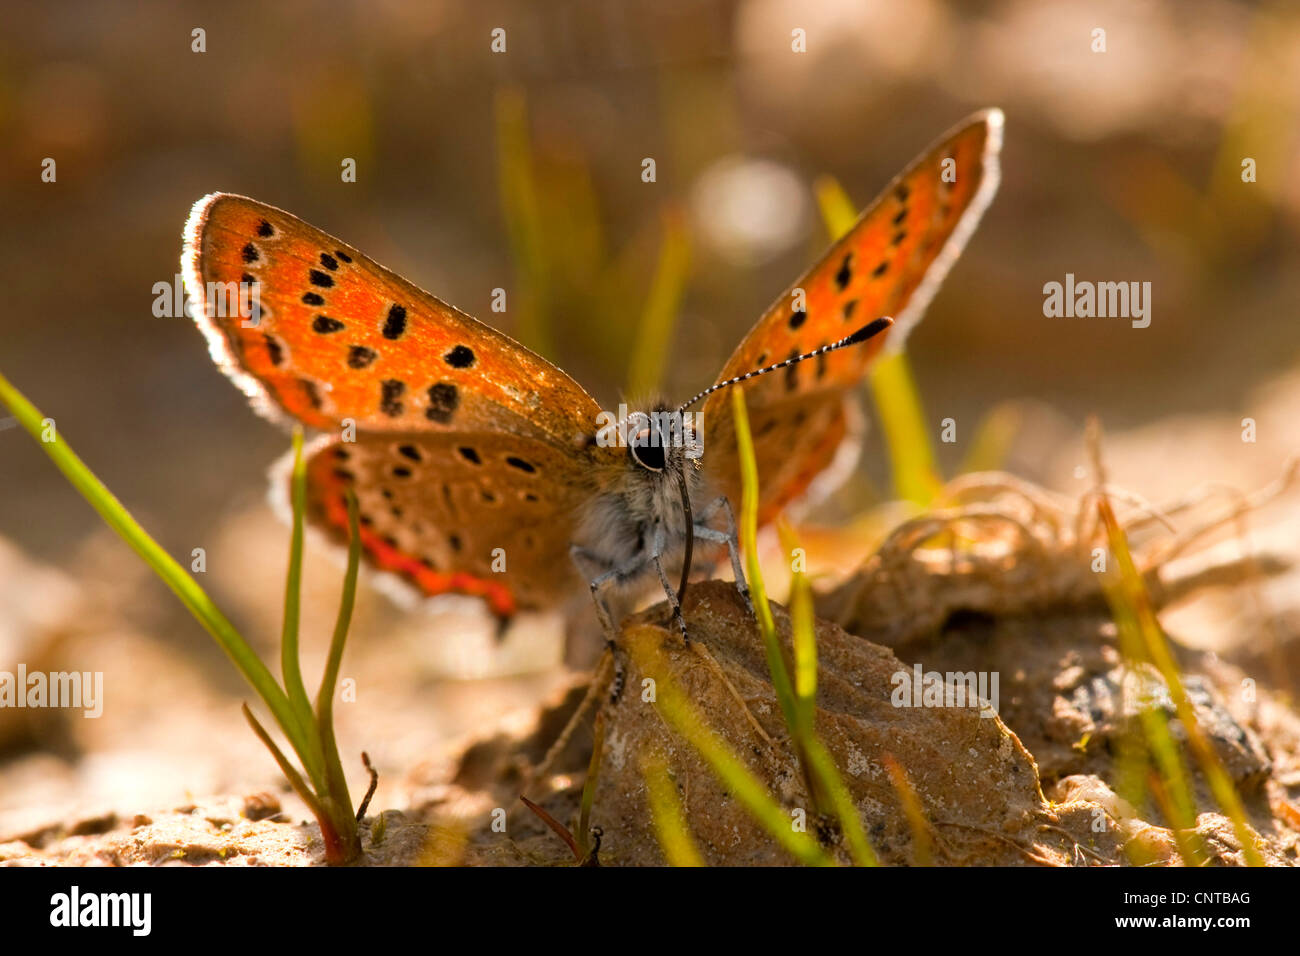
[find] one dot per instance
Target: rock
(977, 785)
(259, 806)
(976, 778)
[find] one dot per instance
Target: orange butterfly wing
(890, 263)
(452, 418)
(485, 514)
(339, 336)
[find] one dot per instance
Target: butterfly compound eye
(644, 452)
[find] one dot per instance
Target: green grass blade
(846, 812)
(1137, 599)
(291, 774)
(749, 544)
(822, 770)
(803, 635)
(329, 679)
(338, 831)
(671, 829)
(993, 438)
(898, 402)
(798, 702)
(838, 211)
(337, 780)
(172, 574)
(1152, 764)
(902, 421)
(649, 355)
(729, 768)
(517, 184)
(290, 666)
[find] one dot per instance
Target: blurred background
(522, 170)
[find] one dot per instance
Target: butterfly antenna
(861, 335)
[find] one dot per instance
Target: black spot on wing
(391, 391)
(274, 351)
(792, 372)
(395, 322)
(359, 356)
(460, 357)
(311, 391)
(324, 325)
(444, 399)
(845, 273)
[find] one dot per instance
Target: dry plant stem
(370, 790)
(594, 689)
(589, 789)
(1214, 567)
(1047, 506)
(1046, 542)
(1246, 504)
(711, 661)
(556, 826)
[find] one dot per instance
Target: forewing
(890, 263)
(333, 335)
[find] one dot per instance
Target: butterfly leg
(605, 577)
(656, 558)
(727, 536)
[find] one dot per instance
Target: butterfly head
(661, 441)
(645, 483)
(659, 466)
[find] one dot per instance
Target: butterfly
(480, 468)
